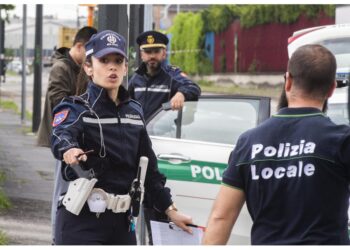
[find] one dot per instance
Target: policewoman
(155, 82)
(105, 121)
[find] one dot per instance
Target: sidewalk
(29, 183)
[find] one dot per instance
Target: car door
(193, 145)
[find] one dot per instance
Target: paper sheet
(169, 234)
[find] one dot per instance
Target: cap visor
(108, 51)
(154, 45)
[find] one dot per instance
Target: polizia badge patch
(60, 117)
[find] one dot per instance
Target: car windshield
(341, 49)
(208, 120)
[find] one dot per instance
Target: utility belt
(99, 201)
(82, 190)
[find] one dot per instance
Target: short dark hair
(313, 68)
(84, 34)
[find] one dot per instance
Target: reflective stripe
(112, 121)
(131, 121)
(102, 120)
(160, 88)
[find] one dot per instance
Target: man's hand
(74, 155)
(180, 220)
(177, 102)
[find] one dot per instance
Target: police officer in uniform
(106, 121)
(155, 82)
(293, 170)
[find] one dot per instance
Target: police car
(193, 145)
(336, 38)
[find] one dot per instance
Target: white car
(193, 146)
(336, 38)
(16, 66)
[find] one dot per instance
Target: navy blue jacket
(118, 136)
(295, 171)
(152, 91)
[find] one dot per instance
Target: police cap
(104, 43)
(152, 39)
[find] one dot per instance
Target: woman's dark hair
(83, 79)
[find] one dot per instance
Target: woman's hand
(180, 220)
(73, 156)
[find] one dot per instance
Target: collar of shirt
(293, 112)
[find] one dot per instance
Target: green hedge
(187, 43)
(188, 30)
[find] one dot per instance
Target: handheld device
(137, 187)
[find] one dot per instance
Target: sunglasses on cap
(152, 50)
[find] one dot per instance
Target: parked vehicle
(336, 38)
(16, 66)
(193, 145)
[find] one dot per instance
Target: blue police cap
(104, 43)
(152, 39)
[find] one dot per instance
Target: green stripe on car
(195, 171)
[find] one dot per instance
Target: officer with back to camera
(293, 170)
(155, 82)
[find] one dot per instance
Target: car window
(209, 120)
(337, 46)
(340, 48)
(338, 113)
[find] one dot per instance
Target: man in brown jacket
(62, 80)
(62, 83)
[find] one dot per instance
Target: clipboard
(167, 233)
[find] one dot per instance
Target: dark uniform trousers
(86, 229)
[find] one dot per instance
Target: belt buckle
(97, 201)
(123, 204)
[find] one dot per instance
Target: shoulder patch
(60, 117)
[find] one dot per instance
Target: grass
(232, 89)
(4, 204)
(3, 239)
(4, 201)
(9, 105)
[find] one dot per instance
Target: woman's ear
(126, 70)
(88, 68)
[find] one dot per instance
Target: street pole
(24, 64)
(148, 17)
(114, 17)
(2, 44)
(37, 67)
(2, 48)
(136, 27)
